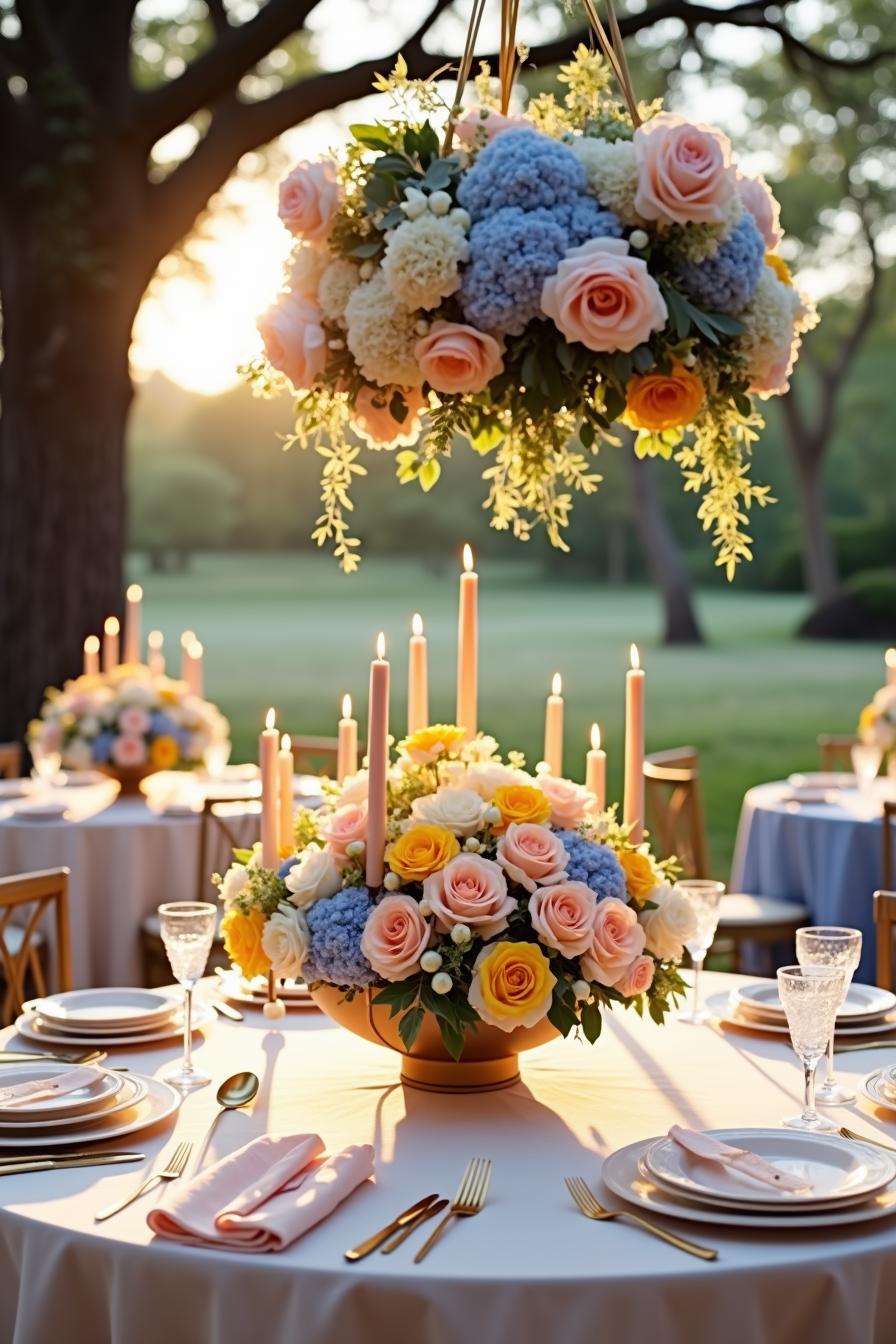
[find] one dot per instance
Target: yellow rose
(780, 267)
(422, 851)
(242, 941)
(521, 802)
(169, 695)
(512, 985)
(658, 401)
(428, 744)
(640, 878)
(164, 752)
(867, 720)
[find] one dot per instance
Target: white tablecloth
(526, 1270)
(828, 855)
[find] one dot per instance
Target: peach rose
(757, 197)
(129, 750)
(563, 917)
(532, 855)
(569, 802)
(617, 938)
(484, 123)
(685, 174)
(454, 357)
(294, 339)
(395, 937)
(604, 298)
(638, 978)
(134, 719)
(372, 416)
(309, 199)
(470, 890)
(346, 824)
(773, 377)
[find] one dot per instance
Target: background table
(826, 855)
(527, 1269)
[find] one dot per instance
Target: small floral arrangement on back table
(527, 282)
(877, 721)
(506, 899)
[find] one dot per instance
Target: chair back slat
(223, 829)
(884, 922)
(889, 861)
(10, 760)
(28, 900)
(675, 809)
(315, 755)
(834, 750)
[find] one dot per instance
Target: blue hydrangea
(511, 255)
(594, 864)
(101, 747)
(336, 924)
(725, 282)
(287, 866)
(160, 725)
(524, 169)
(584, 219)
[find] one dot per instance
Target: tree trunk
(665, 561)
(819, 554)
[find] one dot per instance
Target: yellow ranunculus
(867, 720)
(521, 802)
(168, 694)
(658, 401)
(428, 744)
(780, 267)
(164, 752)
(512, 985)
(242, 941)
(422, 851)
(640, 876)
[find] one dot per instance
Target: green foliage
(179, 503)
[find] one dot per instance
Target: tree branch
(218, 15)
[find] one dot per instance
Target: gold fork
(864, 1138)
(173, 1168)
(468, 1201)
(589, 1205)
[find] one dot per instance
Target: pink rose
(456, 358)
(129, 750)
(395, 937)
(757, 197)
(638, 978)
(563, 917)
(685, 174)
(570, 802)
(134, 720)
(532, 855)
(482, 124)
(470, 890)
(617, 938)
(603, 297)
(50, 736)
(309, 199)
(345, 825)
(774, 377)
(374, 421)
(294, 339)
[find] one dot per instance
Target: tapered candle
(285, 765)
(134, 602)
(111, 630)
(468, 646)
(890, 661)
(418, 678)
(267, 759)
(633, 798)
(377, 764)
(553, 727)
(156, 657)
(187, 638)
(91, 656)
(193, 675)
(347, 752)
(596, 769)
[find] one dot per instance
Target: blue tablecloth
(829, 854)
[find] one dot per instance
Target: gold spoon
(234, 1092)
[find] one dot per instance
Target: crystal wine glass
(187, 928)
(705, 898)
(46, 766)
(831, 946)
(811, 996)
(215, 758)
(866, 759)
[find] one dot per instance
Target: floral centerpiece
(509, 910)
(877, 722)
(531, 282)
(127, 722)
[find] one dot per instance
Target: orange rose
(640, 878)
(521, 802)
(659, 401)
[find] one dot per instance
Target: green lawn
(290, 630)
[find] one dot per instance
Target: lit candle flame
(636, 661)
(269, 718)
(135, 593)
(468, 558)
(595, 737)
(155, 639)
(556, 684)
(195, 649)
(187, 638)
(417, 624)
(890, 657)
(286, 743)
(346, 706)
(92, 644)
(381, 646)
(111, 625)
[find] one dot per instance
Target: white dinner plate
(238, 990)
(823, 779)
(808, 794)
(39, 812)
(623, 1175)
(720, 1007)
(79, 779)
(103, 1088)
(15, 788)
(32, 1028)
(160, 1101)
(834, 1170)
(132, 1092)
(108, 1009)
(871, 1088)
(864, 1003)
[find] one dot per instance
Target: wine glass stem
(830, 1080)
(809, 1081)
(698, 963)
(188, 1028)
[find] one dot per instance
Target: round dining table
(528, 1268)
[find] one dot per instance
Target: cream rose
(234, 881)
(285, 940)
(670, 925)
(532, 855)
(459, 810)
(563, 917)
(454, 357)
(570, 803)
(486, 777)
(757, 197)
(354, 788)
(342, 827)
(617, 938)
(603, 297)
(315, 875)
(309, 200)
(638, 978)
(395, 937)
(294, 339)
(470, 890)
(685, 174)
(372, 416)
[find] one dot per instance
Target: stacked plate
(106, 1105)
(109, 1017)
(294, 993)
(846, 1181)
(868, 1011)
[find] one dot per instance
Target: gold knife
(225, 1009)
(422, 1217)
(61, 1163)
(15, 1158)
(365, 1247)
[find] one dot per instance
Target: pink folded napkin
(264, 1196)
(45, 1089)
(711, 1149)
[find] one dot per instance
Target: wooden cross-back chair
(10, 760)
(675, 809)
(884, 927)
(29, 899)
(834, 750)
(888, 867)
(315, 755)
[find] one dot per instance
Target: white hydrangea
(381, 334)
(336, 286)
(699, 242)
(775, 318)
(611, 172)
(423, 258)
